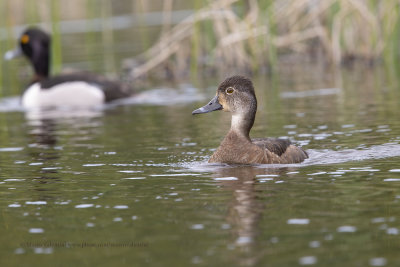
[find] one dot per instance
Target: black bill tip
(211, 106)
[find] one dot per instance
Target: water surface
(130, 183)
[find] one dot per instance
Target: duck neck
(41, 66)
(242, 123)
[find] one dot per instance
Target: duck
(236, 95)
(77, 89)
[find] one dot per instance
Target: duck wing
(275, 145)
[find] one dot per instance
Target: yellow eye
(229, 90)
(24, 39)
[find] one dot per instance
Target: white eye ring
(229, 90)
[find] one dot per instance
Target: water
(129, 183)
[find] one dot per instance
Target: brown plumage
(236, 95)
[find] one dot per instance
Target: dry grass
(247, 36)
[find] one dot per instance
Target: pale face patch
(71, 94)
(222, 101)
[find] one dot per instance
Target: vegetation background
(179, 39)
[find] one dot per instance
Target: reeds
(250, 35)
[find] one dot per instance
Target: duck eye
(229, 90)
(24, 39)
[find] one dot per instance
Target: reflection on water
(137, 171)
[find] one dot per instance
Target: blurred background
(181, 40)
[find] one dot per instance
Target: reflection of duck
(236, 94)
(75, 89)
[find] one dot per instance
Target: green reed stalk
(140, 8)
(108, 37)
(56, 50)
(90, 36)
(195, 47)
(13, 84)
(271, 25)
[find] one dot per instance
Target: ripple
(226, 179)
(11, 149)
(19, 251)
(36, 230)
(174, 175)
(41, 250)
(317, 173)
(244, 240)
(130, 171)
(378, 220)
(377, 262)
(35, 163)
(121, 207)
(346, 229)
(84, 206)
(298, 221)
(346, 155)
(314, 244)
(311, 93)
(392, 231)
(394, 170)
(13, 180)
(165, 96)
(308, 260)
(93, 165)
(36, 202)
(391, 180)
(197, 226)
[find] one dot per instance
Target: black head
(35, 45)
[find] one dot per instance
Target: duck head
(235, 95)
(34, 44)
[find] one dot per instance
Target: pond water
(130, 183)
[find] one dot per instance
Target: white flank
(77, 94)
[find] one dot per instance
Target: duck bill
(13, 54)
(211, 106)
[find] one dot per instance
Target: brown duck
(236, 95)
